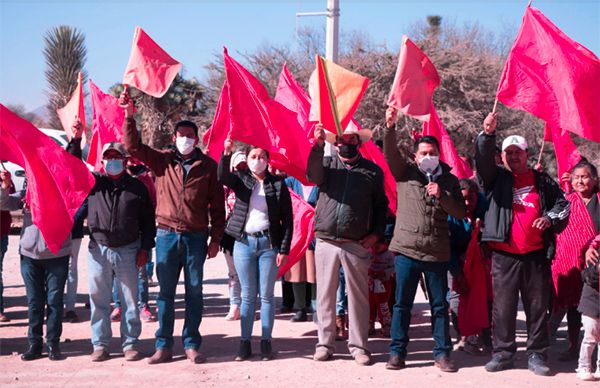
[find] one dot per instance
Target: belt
(262, 233)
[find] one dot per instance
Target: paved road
(294, 343)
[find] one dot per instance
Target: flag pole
(495, 105)
(541, 151)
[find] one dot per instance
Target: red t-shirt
(524, 238)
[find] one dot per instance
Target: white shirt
(258, 213)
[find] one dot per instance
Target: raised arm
(485, 153)
(393, 157)
(224, 173)
(154, 159)
(315, 170)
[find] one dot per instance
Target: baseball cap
(115, 145)
(515, 140)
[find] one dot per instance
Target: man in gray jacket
(44, 274)
(349, 219)
(427, 194)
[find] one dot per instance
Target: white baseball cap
(515, 140)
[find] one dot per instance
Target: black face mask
(348, 151)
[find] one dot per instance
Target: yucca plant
(65, 54)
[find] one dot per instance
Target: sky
(193, 32)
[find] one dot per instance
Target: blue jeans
(45, 285)
(175, 251)
(254, 259)
(104, 263)
(142, 288)
(408, 273)
(3, 249)
(341, 299)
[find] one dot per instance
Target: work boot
(245, 351)
(266, 352)
(54, 353)
(34, 352)
(161, 356)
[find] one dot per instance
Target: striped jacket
(498, 187)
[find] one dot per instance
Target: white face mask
(429, 163)
(185, 145)
(257, 166)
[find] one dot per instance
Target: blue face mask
(114, 167)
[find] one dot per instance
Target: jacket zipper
(339, 205)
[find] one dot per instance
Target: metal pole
(332, 30)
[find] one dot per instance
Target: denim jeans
(142, 288)
(71, 292)
(104, 263)
(45, 285)
(254, 259)
(341, 300)
(175, 251)
(3, 249)
(408, 273)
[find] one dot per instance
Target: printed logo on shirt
(520, 195)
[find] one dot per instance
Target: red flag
(371, 152)
(73, 110)
(552, 77)
(150, 68)
(567, 155)
(304, 220)
(220, 129)
(291, 95)
(448, 154)
(257, 119)
(472, 306)
(57, 182)
(107, 123)
(416, 79)
(335, 93)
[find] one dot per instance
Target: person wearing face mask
(189, 210)
(526, 210)
(349, 219)
(262, 225)
(427, 194)
(122, 227)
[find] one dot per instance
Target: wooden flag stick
(495, 105)
(541, 151)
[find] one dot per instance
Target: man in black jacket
(349, 219)
(122, 229)
(526, 210)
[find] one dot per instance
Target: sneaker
(233, 314)
(498, 363)
(585, 375)
(146, 314)
(538, 365)
(4, 318)
(597, 374)
(115, 316)
(71, 317)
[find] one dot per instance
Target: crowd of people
(363, 267)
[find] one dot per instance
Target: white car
(17, 172)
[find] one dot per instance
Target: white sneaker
(597, 374)
(585, 375)
(234, 313)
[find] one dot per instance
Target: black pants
(530, 275)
